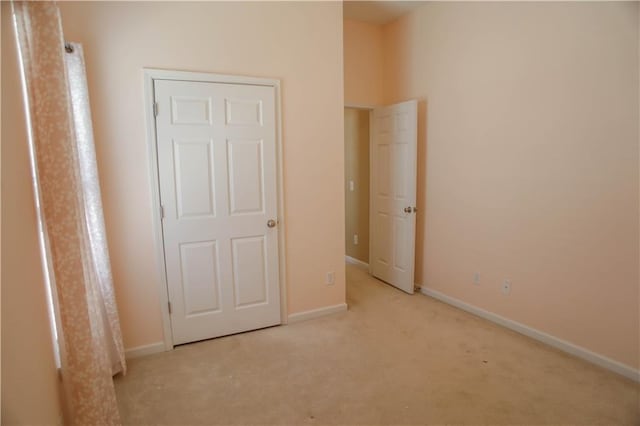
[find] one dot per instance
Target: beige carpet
(391, 359)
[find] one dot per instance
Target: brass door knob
(271, 223)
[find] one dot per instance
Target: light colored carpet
(391, 359)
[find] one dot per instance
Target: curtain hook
(68, 48)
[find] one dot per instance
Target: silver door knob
(271, 223)
(407, 209)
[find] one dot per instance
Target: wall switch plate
(331, 278)
(476, 278)
(351, 186)
(506, 286)
(355, 239)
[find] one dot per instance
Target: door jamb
(152, 74)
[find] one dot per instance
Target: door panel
(249, 274)
(194, 175)
(400, 155)
(200, 280)
(400, 260)
(191, 110)
(382, 243)
(383, 172)
(242, 112)
(393, 194)
(217, 173)
(245, 176)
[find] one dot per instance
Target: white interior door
(394, 134)
(217, 172)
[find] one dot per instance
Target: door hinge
(155, 109)
(161, 211)
(169, 303)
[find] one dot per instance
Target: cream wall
(297, 42)
(363, 64)
(30, 385)
(531, 162)
(356, 169)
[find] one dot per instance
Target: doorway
(380, 194)
(356, 156)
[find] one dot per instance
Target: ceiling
(378, 12)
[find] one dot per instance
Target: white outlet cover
(476, 278)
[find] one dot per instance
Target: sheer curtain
(68, 196)
(77, 80)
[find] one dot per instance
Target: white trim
(540, 336)
(316, 313)
(151, 74)
(281, 218)
(370, 198)
(160, 74)
(357, 262)
(156, 220)
(144, 350)
(360, 106)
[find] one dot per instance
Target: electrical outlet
(331, 278)
(476, 278)
(355, 239)
(352, 186)
(506, 286)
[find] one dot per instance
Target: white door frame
(152, 74)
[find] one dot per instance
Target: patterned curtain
(68, 194)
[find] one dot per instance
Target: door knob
(407, 209)
(271, 223)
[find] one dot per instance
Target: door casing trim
(152, 74)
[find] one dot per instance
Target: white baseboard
(315, 313)
(354, 261)
(139, 351)
(548, 339)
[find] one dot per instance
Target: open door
(394, 134)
